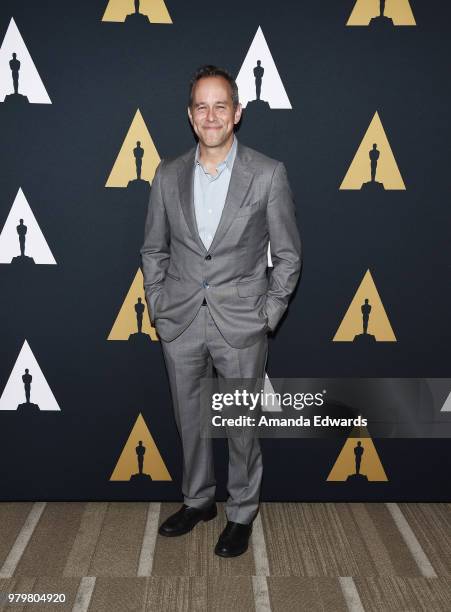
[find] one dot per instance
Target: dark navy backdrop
(97, 75)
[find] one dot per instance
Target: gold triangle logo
(375, 13)
(132, 322)
(358, 460)
(374, 167)
(365, 320)
(137, 159)
(144, 11)
(140, 460)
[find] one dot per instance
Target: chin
(214, 139)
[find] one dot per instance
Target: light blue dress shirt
(210, 193)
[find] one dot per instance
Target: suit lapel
(239, 184)
(186, 193)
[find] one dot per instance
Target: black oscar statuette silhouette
(373, 185)
(15, 98)
(258, 74)
(137, 17)
(381, 21)
(27, 405)
(139, 337)
(22, 258)
(357, 477)
(258, 105)
(138, 183)
(365, 336)
(140, 476)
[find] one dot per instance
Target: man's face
(212, 114)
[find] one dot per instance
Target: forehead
(212, 88)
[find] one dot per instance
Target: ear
(238, 111)
(190, 115)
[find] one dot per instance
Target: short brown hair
(210, 70)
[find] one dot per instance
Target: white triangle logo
(27, 388)
(21, 239)
(29, 81)
(270, 402)
(259, 79)
(447, 405)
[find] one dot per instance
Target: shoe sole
(208, 517)
(236, 554)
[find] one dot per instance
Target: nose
(211, 115)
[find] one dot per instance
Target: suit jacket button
(208, 257)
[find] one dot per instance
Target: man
(210, 216)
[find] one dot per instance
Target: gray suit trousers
(187, 360)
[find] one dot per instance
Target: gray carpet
(335, 557)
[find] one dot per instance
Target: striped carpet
(335, 557)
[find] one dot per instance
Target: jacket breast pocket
(249, 209)
(254, 287)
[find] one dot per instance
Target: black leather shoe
(234, 540)
(185, 519)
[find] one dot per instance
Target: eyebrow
(217, 102)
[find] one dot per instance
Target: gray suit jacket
(232, 274)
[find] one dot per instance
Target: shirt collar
(228, 160)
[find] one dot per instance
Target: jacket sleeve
(285, 246)
(155, 250)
